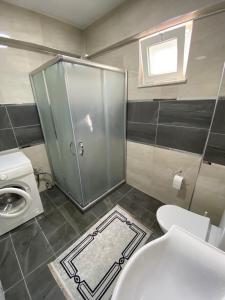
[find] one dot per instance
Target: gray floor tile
(17, 292)
(23, 226)
(31, 247)
(144, 200)
(57, 197)
(4, 236)
(62, 224)
(66, 246)
(146, 217)
(104, 205)
(156, 229)
(42, 285)
(124, 188)
(9, 268)
(57, 230)
(47, 204)
(152, 238)
(78, 220)
(100, 208)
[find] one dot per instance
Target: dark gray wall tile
(195, 113)
(4, 119)
(146, 112)
(182, 138)
(29, 135)
(9, 268)
(219, 118)
(23, 115)
(215, 150)
(141, 132)
(7, 139)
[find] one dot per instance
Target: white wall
(29, 26)
(204, 69)
(133, 17)
(16, 64)
(152, 169)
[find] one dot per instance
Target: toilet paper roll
(177, 182)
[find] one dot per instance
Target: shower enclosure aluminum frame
(44, 67)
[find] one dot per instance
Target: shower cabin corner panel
(45, 114)
(114, 91)
(55, 80)
(84, 86)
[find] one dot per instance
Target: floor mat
(90, 267)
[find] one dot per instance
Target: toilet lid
(168, 215)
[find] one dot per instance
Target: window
(164, 56)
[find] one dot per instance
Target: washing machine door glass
(13, 201)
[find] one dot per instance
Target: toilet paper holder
(178, 172)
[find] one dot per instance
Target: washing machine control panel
(3, 177)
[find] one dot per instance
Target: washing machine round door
(14, 201)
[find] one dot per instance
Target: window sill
(181, 81)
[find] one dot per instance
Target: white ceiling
(80, 13)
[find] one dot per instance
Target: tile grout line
(12, 286)
(124, 195)
(74, 239)
(24, 126)
(164, 147)
(20, 267)
(35, 269)
(12, 127)
(157, 124)
(217, 133)
(169, 125)
(7, 128)
(39, 226)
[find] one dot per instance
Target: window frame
(183, 34)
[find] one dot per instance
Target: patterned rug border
(58, 278)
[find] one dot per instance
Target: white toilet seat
(168, 215)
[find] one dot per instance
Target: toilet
(168, 215)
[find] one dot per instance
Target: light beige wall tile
(29, 26)
(38, 156)
(140, 166)
(61, 36)
(207, 43)
(151, 169)
(209, 193)
(136, 16)
(16, 64)
(15, 67)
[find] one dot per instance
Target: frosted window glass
(162, 58)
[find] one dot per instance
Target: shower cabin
(82, 108)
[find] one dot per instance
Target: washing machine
(19, 196)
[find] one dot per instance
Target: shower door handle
(72, 148)
(81, 151)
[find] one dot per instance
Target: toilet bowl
(169, 215)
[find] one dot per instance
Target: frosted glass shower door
(84, 84)
(56, 85)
